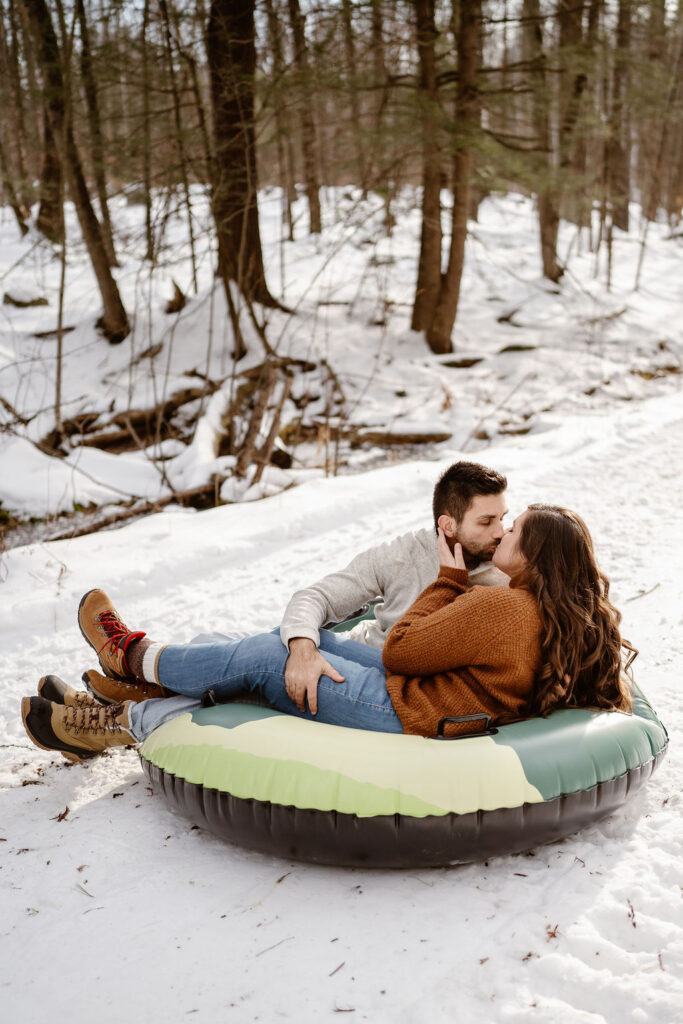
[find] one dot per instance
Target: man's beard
(475, 556)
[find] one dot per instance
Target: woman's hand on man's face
(453, 559)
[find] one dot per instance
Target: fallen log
(295, 432)
(205, 496)
(14, 300)
(137, 428)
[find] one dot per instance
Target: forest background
(139, 141)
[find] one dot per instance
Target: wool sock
(150, 662)
(135, 653)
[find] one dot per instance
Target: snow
(121, 908)
(540, 351)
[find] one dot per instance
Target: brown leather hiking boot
(79, 733)
(113, 691)
(56, 690)
(106, 633)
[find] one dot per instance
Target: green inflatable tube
(321, 793)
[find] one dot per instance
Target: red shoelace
(117, 633)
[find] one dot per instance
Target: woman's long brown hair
(581, 646)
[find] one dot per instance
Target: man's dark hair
(460, 484)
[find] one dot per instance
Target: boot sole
(25, 712)
(104, 668)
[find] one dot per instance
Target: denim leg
(257, 663)
(148, 715)
(352, 650)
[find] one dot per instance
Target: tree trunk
(548, 212)
(618, 144)
(114, 321)
(354, 103)
(94, 124)
(573, 74)
(232, 64)
(20, 133)
(429, 265)
(11, 171)
(146, 137)
(650, 148)
(587, 142)
(34, 125)
(466, 113)
(163, 7)
(479, 187)
(50, 211)
(12, 198)
(285, 145)
(308, 135)
(381, 92)
(187, 54)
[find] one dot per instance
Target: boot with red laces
(109, 637)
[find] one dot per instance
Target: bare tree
(114, 321)
(429, 265)
(463, 139)
(618, 148)
(548, 211)
(96, 138)
(283, 128)
(354, 100)
(308, 134)
(232, 64)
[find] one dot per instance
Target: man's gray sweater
(395, 572)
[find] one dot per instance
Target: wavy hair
(581, 646)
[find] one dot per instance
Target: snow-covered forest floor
(116, 906)
(527, 352)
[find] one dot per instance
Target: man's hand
(453, 559)
(305, 665)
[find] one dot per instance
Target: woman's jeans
(257, 664)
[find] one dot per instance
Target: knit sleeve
(446, 627)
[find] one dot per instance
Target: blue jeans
(257, 664)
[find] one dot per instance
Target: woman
(550, 640)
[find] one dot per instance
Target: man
(468, 505)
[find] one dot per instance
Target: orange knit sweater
(460, 652)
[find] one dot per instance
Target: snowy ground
(121, 909)
(123, 900)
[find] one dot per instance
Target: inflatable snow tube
(330, 795)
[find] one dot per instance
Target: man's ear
(447, 524)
